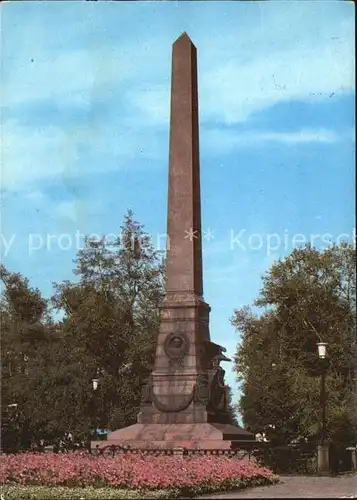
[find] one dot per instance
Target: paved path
(299, 487)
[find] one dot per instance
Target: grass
(87, 493)
(21, 492)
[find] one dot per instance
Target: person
(261, 437)
(41, 446)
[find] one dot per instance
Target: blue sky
(85, 115)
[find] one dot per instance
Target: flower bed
(176, 475)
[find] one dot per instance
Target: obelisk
(184, 401)
(184, 312)
(184, 255)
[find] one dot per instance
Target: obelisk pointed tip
(183, 38)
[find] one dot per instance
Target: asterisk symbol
(208, 235)
(191, 234)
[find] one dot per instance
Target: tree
(307, 297)
(112, 312)
(42, 373)
(25, 334)
(109, 326)
(232, 408)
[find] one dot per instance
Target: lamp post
(321, 347)
(323, 459)
(125, 368)
(95, 383)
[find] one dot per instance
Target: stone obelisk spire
(184, 401)
(184, 252)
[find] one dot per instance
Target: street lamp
(95, 379)
(95, 383)
(323, 458)
(321, 348)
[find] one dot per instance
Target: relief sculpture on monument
(176, 347)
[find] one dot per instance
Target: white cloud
(220, 140)
(284, 54)
(69, 210)
(35, 196)
(72, 77)
(32, 154)
(295, 53)
(231, 91)
(247, 72)
(306, 135)
(79, 210)
(152, 104)
(235, 91)
(48, 75)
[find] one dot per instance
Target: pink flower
(134, 471)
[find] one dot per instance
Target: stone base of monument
(202, 436)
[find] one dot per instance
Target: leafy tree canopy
(308, 297)
(108, 329)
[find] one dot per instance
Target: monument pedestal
(203, 436)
